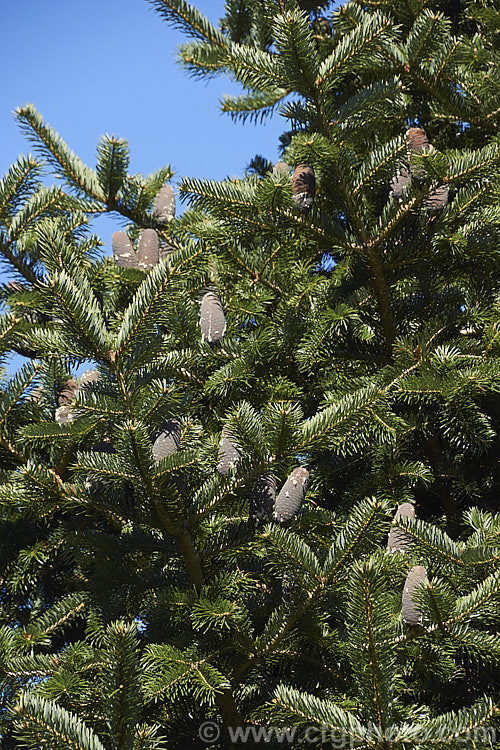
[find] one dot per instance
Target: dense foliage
(271, 502)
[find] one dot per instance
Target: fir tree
(272, 500)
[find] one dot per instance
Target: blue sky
(109, 66)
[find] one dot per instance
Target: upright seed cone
(67, 392)
(148, 250)
(228, 454)
(167, 440)
(292, 495)
(123, 252)
(212, 319)
(303, 187)
(280, 168)
(64, 413)
(89, 377)
(401, 179)
(164, 205)
(416, 140)
(438, 199)
(263, 496)
(399, 540)
(410, 611)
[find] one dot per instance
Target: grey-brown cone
(228, 454)
(123, 252)
(212, 319)
(67, 392)
(147, 250)
(64, 414)
(303, 187)
(280, 168)
(416, 140)
(164, 205)
(167, 441)
(401, 179)
(399, 540)
(262, 496)
(291, 495)
(410, 612)
(89, 377)
(437, 199)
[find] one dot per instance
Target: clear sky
(109, 66)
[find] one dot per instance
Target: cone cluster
(148, 250)
(64, 413)
(263, 500)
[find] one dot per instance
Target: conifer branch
(383, 296)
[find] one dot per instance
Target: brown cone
(67, 392)
(438, 199)
(280, 168)
(89, 377)
(416, 140)
(303, 187)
